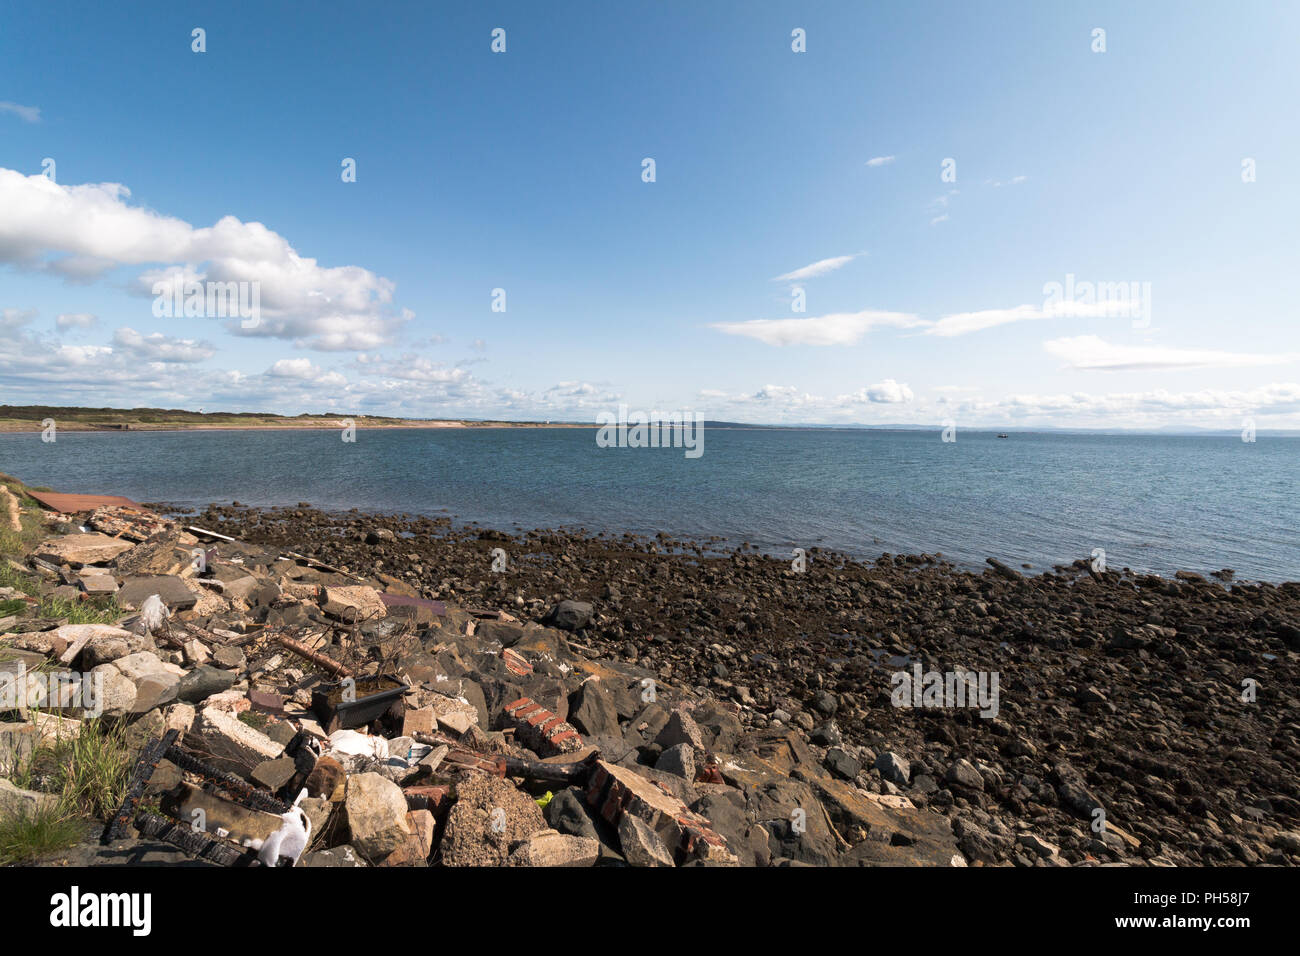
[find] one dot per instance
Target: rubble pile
(306, 715)
(309, 714)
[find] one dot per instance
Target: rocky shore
(579, 699)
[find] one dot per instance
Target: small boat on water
(1003, 435)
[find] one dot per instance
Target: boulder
(841, 764)
(678, 760)
(549, 848)
(489, 816)
(895, 769)
(205, 681)
(15, 801)
(592, 710)
(376, 815)
(641, 845)
(681, 728)
(570, 615)
(963, 774)
(569, 815)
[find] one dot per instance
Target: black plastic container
(374, 695)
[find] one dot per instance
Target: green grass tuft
(25, 837)
(88, 772)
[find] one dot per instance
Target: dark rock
(202, 682)
(570, 615)
(592, 710)
(841, 764)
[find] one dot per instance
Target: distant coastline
(31, 418)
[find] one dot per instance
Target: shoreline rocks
(670, 705)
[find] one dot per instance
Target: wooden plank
(75, 648)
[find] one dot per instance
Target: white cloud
(157, 347)
(963, 323)
(13, 318)
(410, 368)
(1091, 352)
(75, 320)
(888, 392)
(302, 370)
(298, 368)
(28, 114)
(1139, 407)
(938, 219)
(876, 161)
(81, 232)
(840, 328)
(818, 268)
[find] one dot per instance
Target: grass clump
(80, 612)
(33, 834)
(87, 772)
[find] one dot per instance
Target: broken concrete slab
(549, 848)
(126, 521)
(678, 760)
(173, 591)
(680, 728)
(233, 745)
(415, 849)
(352, 603)
(77, 550)
(274, 774)
(18, 740)
(211, 813)
(97, 585)
(116, 691)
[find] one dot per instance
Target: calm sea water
(1152, 503)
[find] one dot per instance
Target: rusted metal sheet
(75, 504)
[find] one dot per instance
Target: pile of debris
(295, 713)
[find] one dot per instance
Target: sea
(1150, 503)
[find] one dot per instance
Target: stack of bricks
(540, 730)
(613, 791)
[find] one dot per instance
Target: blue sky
(924, 300)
